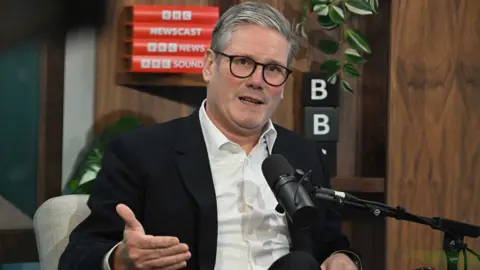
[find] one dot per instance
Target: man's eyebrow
(269, 61)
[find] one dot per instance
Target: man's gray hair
(257, 14)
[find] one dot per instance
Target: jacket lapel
(301, 240)
(194, 167)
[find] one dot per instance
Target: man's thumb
(128, 216)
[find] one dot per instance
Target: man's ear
(209, 65)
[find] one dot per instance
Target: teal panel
(19, 110)
(21, 266)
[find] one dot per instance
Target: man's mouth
(251, 100)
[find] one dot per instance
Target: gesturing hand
(141, 251)
(338, 261)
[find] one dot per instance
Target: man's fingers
(177, 249)
(167, 261)
(176, 266)
(128, 216)
(153, 242)
(171, 251)
(152, 254)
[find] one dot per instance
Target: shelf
(164, 79)
(359, 184)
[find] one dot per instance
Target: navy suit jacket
(162, 173)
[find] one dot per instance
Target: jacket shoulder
(151, 137)
(294, 138)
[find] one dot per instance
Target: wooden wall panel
(434, 125)
(361, 148)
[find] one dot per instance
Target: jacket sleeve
(118, 181)
(327, 233)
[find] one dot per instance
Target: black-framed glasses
(244, 66)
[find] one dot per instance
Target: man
(190, 193)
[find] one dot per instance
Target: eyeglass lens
(243, 67)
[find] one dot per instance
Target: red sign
(168, 47)
(168, 39)
(190, 14)
(166, 64)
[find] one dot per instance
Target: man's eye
(243, 61)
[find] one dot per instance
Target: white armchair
(53, 222)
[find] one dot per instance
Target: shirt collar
(215, 139)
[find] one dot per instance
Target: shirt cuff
(106, 265)
(353, 256)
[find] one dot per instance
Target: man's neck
(246, 139)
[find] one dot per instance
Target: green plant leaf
(350, 71)
(304, 10)
(346, 86)
(328, 46)
(300, 29)
(321, 9)
(360, 7)
(353, 57)
(357, 40)
(333, 79)
(86, 188)
(73, 184)
(374, 5)
(327, 23)
(331, 66)
(336, 14)
(315, 2)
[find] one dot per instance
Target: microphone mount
(454, 232)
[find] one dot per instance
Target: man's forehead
(269, 47)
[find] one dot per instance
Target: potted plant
(337, 15)
(86, 172)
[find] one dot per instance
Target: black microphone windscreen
(275, 166)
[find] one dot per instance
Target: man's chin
(248, 121)
(251, 124)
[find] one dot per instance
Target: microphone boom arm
(454, 231)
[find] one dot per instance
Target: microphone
(324, 193)
(294, 198)
(336, 194)
(291, 195)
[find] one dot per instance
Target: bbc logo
(321, 123)
(177, 15)
(162, 47)
(316, 91)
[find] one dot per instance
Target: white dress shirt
(251, 234)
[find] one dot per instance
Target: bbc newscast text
(163, 30)
(174, 31)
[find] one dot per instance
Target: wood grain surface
(434, 125)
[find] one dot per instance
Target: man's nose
(256, 79)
